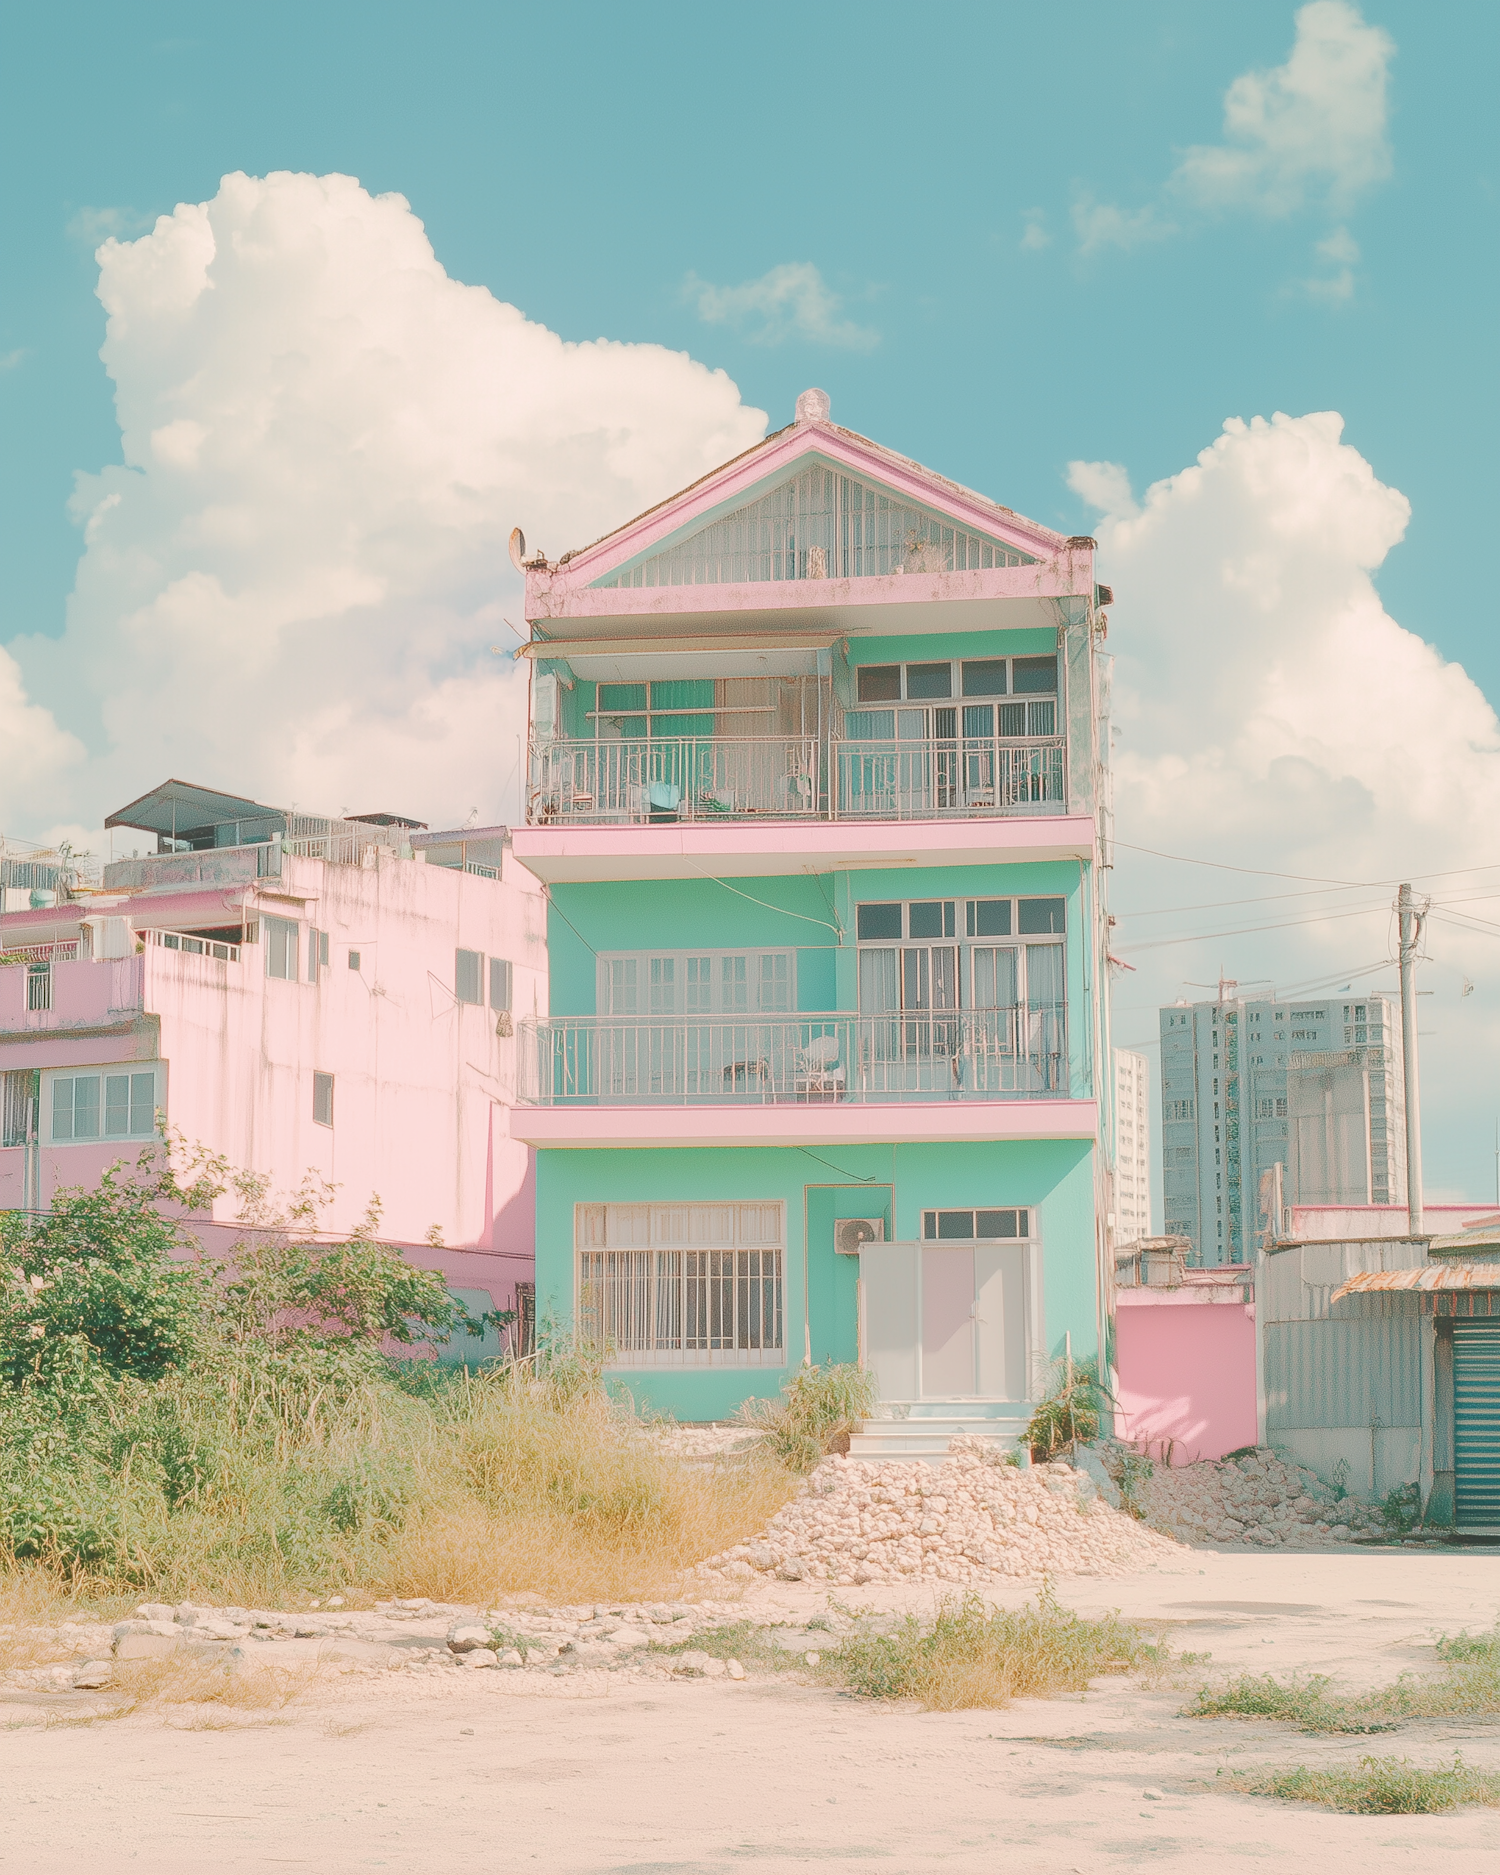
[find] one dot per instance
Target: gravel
(1261, 1500)
(968, 1520)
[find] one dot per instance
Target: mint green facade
(894, 1181)
(818, 788)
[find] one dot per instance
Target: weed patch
(1468, 1687)
(1303, 1703)
(971, 1655)
(815, 1413)
(1376, 1787)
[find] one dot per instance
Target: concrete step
(927, 1438)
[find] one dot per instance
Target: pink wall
(1185, 1369)
(422, 1084)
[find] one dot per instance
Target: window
(317, 953)
(696, 983)
(1030, 682)
(682, 1284)
(354, 960)
(20, 1090)
(39, 986)
(101, 1105)
(500, 983)
(323, 1099)
(281, 948)
(982, 1224)
(1181, 1109)
(923, 974)
(468, 973)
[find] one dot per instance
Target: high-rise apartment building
(1246, 1083)
(1132, 1148)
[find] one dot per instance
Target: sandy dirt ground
(591, 1774)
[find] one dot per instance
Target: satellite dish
(517, 549)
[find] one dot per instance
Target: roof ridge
(868, 442)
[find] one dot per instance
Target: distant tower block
(813, 407)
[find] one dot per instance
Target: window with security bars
(683, 1284)
(20, 1095)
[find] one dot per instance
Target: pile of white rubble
(1258, 1499)
(969, 1520)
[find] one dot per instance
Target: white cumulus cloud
(1271, 714)
(790, 301)
(291, 584)
(1103, 485)
(1312, 128)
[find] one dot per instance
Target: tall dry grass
(508, 1483)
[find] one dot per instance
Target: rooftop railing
(193, 946)
(959, 1054)
(625, 781)
(40, 954)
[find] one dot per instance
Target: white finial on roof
(813, 407)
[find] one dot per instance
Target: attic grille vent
(818, 525)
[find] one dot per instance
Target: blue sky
(584, 161)
(1005, 240)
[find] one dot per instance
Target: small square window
(1030, 675)
(878, 921)
(1039, 916)
(929, 680)
(354, 960)
(930, 918)
(468, 975)
(323, 1100)
(879, 683)
(984, 677)
(988, 917)
(500, 983)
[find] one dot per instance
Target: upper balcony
(918, 740)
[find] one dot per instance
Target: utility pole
(1411, 933)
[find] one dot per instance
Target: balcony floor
(810, 1123)
(763, 847)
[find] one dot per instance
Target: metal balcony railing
(958, 1054)
(968, 775)
(674, 778)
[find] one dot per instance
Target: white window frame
(690, 994)
(283, 942)
(322, 1081)
(101, 1074)
(690, 1284)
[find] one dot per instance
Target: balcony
(620, 781)
(817, 1060)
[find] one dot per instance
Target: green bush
(814, 1413)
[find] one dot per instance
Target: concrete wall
(1185, 1367)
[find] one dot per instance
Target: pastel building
(1312, 1084)
(300, 995)
(816, 787)
(1132, 1147)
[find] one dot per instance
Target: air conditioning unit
(851, 1234)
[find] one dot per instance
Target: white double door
(945, 1321)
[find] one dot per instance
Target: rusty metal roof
(1433, 1276)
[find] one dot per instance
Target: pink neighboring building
(300, 995)
(1185, 1386)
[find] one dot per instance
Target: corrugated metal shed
(1435, 1276)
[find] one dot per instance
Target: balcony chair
(820, 1073)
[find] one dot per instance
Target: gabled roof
(813, 441)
